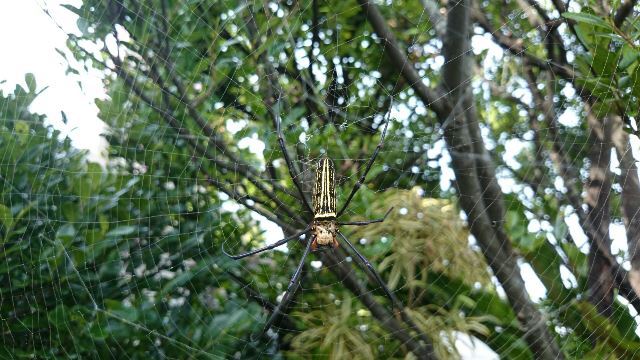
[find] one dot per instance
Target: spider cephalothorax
(324, 233)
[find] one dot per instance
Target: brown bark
(600, 280)
(630, 198)
(625, 9)
(604, 271)
(479, 193)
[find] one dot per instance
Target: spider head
(324, 233)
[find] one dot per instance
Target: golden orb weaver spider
(324, 226)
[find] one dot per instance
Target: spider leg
(394, 300)
(265, 248)
(372, 270)
(368, 167)
(287, 158)
(288, 295)
(366, 222)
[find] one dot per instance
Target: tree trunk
(600, 277)
(630, 198)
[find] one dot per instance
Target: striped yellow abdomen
(324, 190)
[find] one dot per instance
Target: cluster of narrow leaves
(421, 250)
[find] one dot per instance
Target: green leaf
(21, 128)
(120, 311)
(605, 59)
(635, 81)
(122, 231)
(588, 19)
(605, 331)
(70, 211)
(94, 174)
(66, 233)
(58, 317)
(294, 116)
(93, 236)
(73, 9)
(31, 82)
(629, 57)
(83, 186)
(560, 228)
(6, 217)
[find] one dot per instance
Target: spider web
(135, 243)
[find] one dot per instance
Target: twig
(432, 99)
(285, 321)
(625, 9)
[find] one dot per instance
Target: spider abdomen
(324, 190)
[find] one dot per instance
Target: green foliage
(610, 66)
(97, 259)
(340, 329)
(123, 258)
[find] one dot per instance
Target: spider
(324, 226)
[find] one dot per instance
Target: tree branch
(335, 262)
(202, 152)
(516, 47)
(494, 244)
(600, 276)
(432, 99)
(435, 18)
(569, 176)
(285, 321)
(625, 9)
(630, 198)
(338, 265)
(247, 171)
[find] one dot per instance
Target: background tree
(126, 259)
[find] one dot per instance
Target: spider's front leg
(367, 222)
(288, 295)
(367, 265)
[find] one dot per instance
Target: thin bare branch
(432, 99)
(623, 12)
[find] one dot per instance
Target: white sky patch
(480, 43)
(532, 283)
(614, 164)
(579, 237)
(31, 48)
(568, 91)
(569, 118)
(229, 205)
(273, 232)
(568, 279)
(255, 145)
(301, 56)
(233, 126)
(472, 348)
(303, 137)
(618, 235)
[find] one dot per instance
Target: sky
(31, 48)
